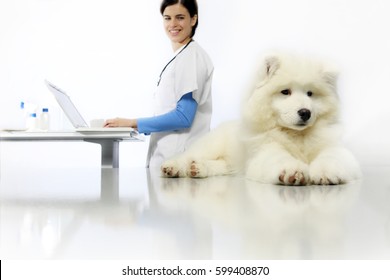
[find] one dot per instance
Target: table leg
(109, 189)
(110, 151)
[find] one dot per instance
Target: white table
(109, 141)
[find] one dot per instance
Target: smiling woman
(182, 101)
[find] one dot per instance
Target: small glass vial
(44, 120)
(32, 122)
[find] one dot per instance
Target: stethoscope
(165, 67)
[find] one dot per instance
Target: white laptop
(74, 115)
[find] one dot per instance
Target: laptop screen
(67, 106)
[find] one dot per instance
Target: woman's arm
(179, 118)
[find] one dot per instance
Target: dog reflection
(250, 220)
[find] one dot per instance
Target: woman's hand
(120, 122)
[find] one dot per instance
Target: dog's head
(292, 92)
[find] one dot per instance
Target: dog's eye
(309, 93)
(286, 92)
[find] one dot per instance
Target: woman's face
(178, 24)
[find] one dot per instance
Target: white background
(107, 55)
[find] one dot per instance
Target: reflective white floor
(129, 213)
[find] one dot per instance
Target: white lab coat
(190, 71)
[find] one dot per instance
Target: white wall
(107, 54)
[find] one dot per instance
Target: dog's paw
(293, 178)
(197, 170)
(294, 174)
(326, 180)
(323, 173)
(172, 169)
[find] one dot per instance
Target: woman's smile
(174, 32)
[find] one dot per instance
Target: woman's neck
(177, 45)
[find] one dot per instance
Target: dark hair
(190, 5)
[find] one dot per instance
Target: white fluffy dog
(288, 134)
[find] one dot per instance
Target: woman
(182, 101)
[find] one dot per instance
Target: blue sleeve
(179, 118)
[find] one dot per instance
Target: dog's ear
(270, 64)
(330, 77)
(329, 72)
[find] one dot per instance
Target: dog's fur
(288, 133)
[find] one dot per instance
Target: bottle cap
(45, 110)
(34, 115)
(22, 105)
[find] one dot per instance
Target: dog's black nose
(305, 114)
